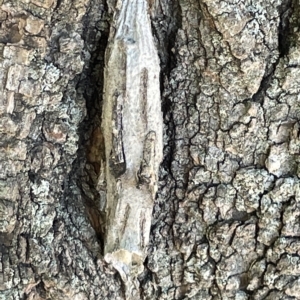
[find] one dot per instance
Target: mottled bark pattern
(229, 184)
(48, 248)
(225, 223)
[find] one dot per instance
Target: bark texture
(226, 218)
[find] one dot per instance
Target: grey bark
(225, 221)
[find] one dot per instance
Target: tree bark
(225, 220)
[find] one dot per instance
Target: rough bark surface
(226, 218)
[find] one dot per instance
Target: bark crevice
(91, 145)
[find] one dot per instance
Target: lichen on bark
(225, 219)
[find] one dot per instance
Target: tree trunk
(225, 201)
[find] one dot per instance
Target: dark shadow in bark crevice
(164, 29)
(86, 167)
(165, 25)
(289, 19)
(285, 39)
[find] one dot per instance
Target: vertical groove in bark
(284, 39)
(91, 153)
